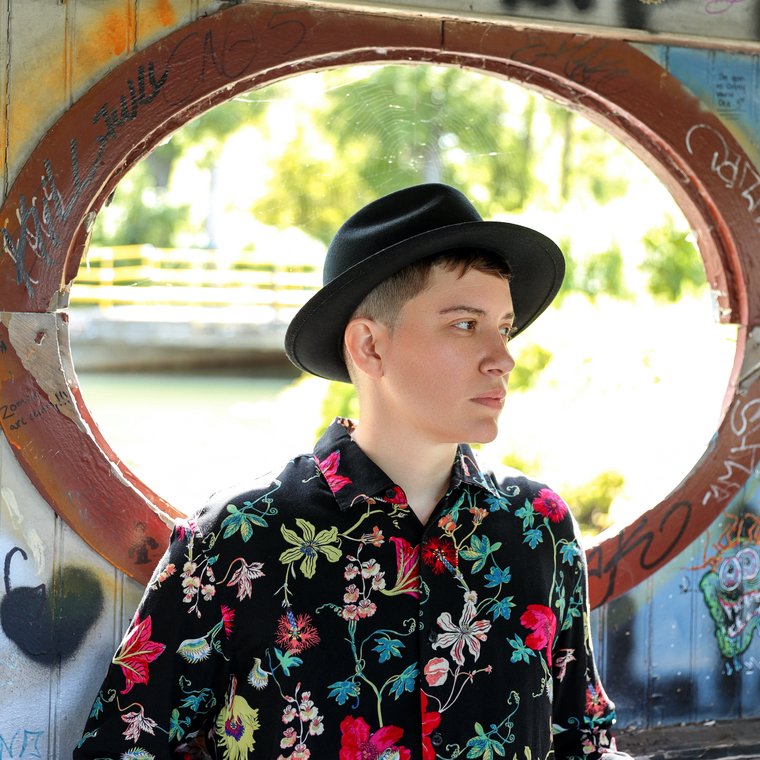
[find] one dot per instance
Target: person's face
(446, 362)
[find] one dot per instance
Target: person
(383, 596)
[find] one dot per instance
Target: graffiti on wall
(731, 587)
(48, 622)
(734, 20)
(21, 743)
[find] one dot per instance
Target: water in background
(187, 435)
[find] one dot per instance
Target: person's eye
(507, 331)
(465, 324)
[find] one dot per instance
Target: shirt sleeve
(583, 713)
(170, 673)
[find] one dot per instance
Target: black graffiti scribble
(129, 104)
(633, 14)
(639, 536)
(41, 217)
(49, 626)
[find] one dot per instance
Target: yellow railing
(144, 275)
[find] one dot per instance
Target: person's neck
(422, 470)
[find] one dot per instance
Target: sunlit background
(210, 244)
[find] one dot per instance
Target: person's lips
(493, 399)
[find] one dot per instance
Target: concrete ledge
(729, 740)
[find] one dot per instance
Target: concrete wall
(670, 651)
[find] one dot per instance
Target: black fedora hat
(395, 231)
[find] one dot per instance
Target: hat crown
(393, 219)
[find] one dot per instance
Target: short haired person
(382, 597)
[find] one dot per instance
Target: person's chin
(485, 433)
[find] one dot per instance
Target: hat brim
(314, 339)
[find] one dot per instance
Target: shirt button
(432, 636)
(436, 738)
(390, 493)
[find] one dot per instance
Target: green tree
(672, 262)
(528, 365)
(402, 125)
(140, 210)
(590, 502)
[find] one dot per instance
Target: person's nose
(498, 359)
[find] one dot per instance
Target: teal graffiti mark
(24, 743)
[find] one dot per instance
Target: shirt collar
(353, 477)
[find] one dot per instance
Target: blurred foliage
(528, 364)
(339, 401)
(141, 213)
(590, 502)
(377, 129)
(402, 125)
(140, 210)
(597, 274)
(672, 262)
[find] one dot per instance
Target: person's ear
(364, 340)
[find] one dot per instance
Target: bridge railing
(145, 275)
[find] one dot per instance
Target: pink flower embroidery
(228, 619)
(244, 575)
(407, 569)
(295, 633)
(136, 652)
(436, 671)
(541, 621)
(398, 497)
(137, 723)
(550, 505)
(469, 631)
(329, 468)
(596, 701)
(358, 744)
(430, 721)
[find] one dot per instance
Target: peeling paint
(41, 359)
(31, 538)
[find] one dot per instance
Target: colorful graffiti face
(732, 592)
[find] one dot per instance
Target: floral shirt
(316, 617)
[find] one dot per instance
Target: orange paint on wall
(112, 35)
(165, 12)
(114, 31)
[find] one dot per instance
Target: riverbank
(160, 338)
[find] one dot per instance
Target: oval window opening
(211, 243)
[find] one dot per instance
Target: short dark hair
(384, 302)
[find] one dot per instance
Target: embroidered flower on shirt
(136, 652)
(329, 468)
(440, 554)
(137, 723)
(407, 569)
(543, 623)
(310, 546)
(469, 631)
(295, 633)
(357, 743)
(436, 671)
(550, 504)
(236, 725)
(243, 576)
(430, 721)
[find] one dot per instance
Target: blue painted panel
(684, 646)
(727, 82)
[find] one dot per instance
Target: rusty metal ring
(50, 207)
